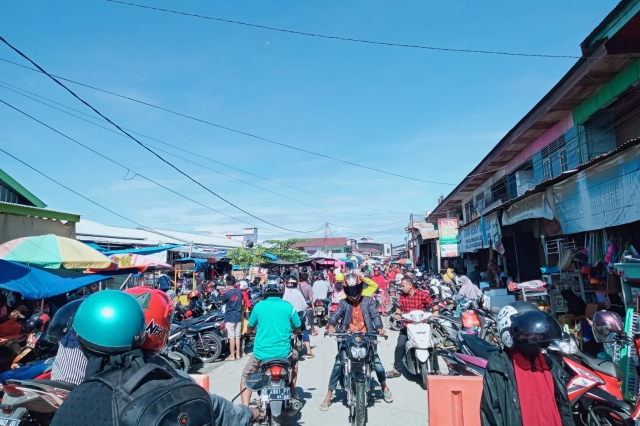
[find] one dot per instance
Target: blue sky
(430, 115)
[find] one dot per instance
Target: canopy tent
(285, 263)
(270, 256)
(35, 283)
(52, 251)
(200, 264)
(134, 263)
(329, 261)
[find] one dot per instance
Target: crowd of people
(110, 339)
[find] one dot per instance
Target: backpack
(151, 395)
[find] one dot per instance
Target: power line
(122, 165)
(143, 145)
(349, 39)
(251, 135)
(19, 90)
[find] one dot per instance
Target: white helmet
(418, 274)
(243, 285)
(505, 316)
(435, 281)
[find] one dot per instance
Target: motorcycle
(320, 313)
(272, 384)
(180, 349)
(356, 356)
(394, 324)
(32, 402)
(419, 350)
(208, 339)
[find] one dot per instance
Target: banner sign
(605, 195)
(494, 232)
(533, 207)
(448, 233)
(471, 238)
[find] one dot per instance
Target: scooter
(32, 401)
(320, 313)
(419, 349)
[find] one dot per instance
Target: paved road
(409, 405)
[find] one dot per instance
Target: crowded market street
(234, 213)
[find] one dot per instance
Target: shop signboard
(604, 195)
(533, 207)
(471, 238)
(448, 234)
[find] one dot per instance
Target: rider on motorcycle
(522, 385)
(356, 313)
(275, 320)
(196, 306)
(116, 330)
(410, 299)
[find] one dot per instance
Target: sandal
(391, 374)
(325, 406)
(388, 398)
(311, 355)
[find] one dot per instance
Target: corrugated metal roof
(586, 44)
(39, 211)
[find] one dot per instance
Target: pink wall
(545, 139)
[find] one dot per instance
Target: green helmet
(109, 322)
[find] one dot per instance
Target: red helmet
(158, 314)
(195, 294)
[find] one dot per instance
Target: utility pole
(326, 228)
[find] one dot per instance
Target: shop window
(563, 160)
(546, 167)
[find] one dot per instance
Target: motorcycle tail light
(6, 411)
(12, 390)
(276, 372)
(222, 326)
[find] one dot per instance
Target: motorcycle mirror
(257, 381)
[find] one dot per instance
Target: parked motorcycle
(208, 339)
(356, 356)
(419, 353)
(181, 349)
(32, 402)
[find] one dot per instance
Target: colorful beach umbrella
(54, 252)
(404, 262)
(132, 260)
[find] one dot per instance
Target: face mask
(529, 349)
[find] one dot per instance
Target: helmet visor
(353, 291)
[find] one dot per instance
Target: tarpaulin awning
(200, 264)
(270, 256)
(141, 250)
(35, 283)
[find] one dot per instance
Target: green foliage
(282, 249)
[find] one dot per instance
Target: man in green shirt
(275, 320)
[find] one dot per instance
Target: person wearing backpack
(125, 382)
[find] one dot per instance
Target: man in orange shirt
(356, 313)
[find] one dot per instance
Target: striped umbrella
(52, 251)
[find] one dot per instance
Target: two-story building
(567, 175)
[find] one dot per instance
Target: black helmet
(535, 328)
(61, 322)
(318, 275)
(291, 281)
(38, 322)
(352, 287)
(272, 286)
(506, 316)
(256, 280)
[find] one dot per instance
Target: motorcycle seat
(608, 368)
(176, 327)
(478, 346)
(52, 383)
(275, 361)
(200, 327)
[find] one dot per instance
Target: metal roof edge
(606, 24)
(22, 210)
(15, 185)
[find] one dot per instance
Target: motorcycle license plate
(278, 394)
(319, 310)
(9, 422)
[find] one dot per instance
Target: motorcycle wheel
(424, 373)
(395, 325)
(603, 417)
(360, 418)
(276, 421)
(208, 347)
(185, 364)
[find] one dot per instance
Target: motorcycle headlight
(358, 352)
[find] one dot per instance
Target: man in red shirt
(410, 299)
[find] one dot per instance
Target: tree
(283, 249)
(245, 258)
